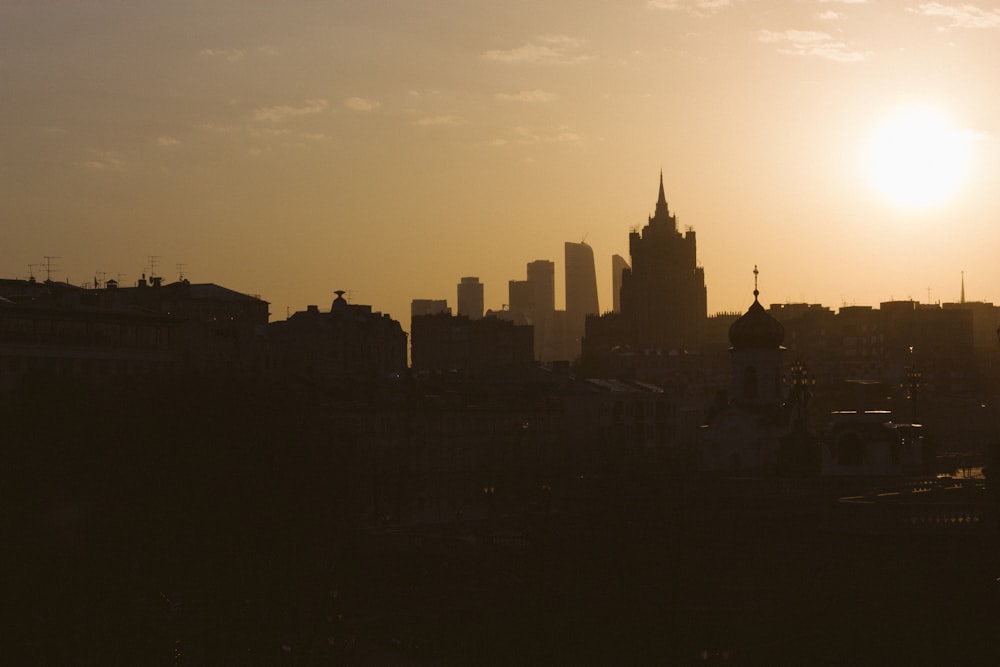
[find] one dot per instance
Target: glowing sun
(917, 158)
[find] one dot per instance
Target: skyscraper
(581, 290)
(542, 276)
(663, 296)
(521, 300)
(533, 301)
(618, 264)
(470, 298)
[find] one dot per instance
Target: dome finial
(755, 292)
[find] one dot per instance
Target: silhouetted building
(444, 343)
(581, 293)
(428, 307)
(532, 301)
(222, 329)
(60, 333)
(618, 266)
(346, 345)
(470, 298)
(542, 279)
(870, 442)
(663, 296)
(746, 434)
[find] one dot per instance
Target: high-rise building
(542, 277)
(663, 296)
(533, 301)
(581, 291)
(470, 298)
(618, 265)
(521, 301)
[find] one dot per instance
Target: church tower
(757, 355)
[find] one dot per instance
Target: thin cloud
(277, 114)
(361, 104)
(829, 15)
(811, 43)
(691, 6)
(103, 161)
(229, 55)
(527, 96)
(221, 129)
(548, 49)
(433, 121)
(166, 141)
(961, 16)
(563, 135)
(842, 2)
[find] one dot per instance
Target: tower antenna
(962, 300)
(48, 266)
(154, 260)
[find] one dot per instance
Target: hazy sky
(290, 148)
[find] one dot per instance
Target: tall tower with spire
(663, 295)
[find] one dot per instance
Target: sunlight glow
(917, 158)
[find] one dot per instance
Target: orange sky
(293, 148)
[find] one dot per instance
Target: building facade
(470, 298)
(581, 292)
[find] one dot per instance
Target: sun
(917, 158)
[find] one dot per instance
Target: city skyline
(292, 150)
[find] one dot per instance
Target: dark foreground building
(442, 342)
(335, 349)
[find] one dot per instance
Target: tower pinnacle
(662, 212)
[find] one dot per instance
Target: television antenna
(154, 261)
(48, 266)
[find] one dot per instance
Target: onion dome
(756, 328)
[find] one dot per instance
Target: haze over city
(311, 350)
(290, 149)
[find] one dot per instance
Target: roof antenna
(48, 266)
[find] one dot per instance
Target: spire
(661, 212)
(757, 328)
(963, 288)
